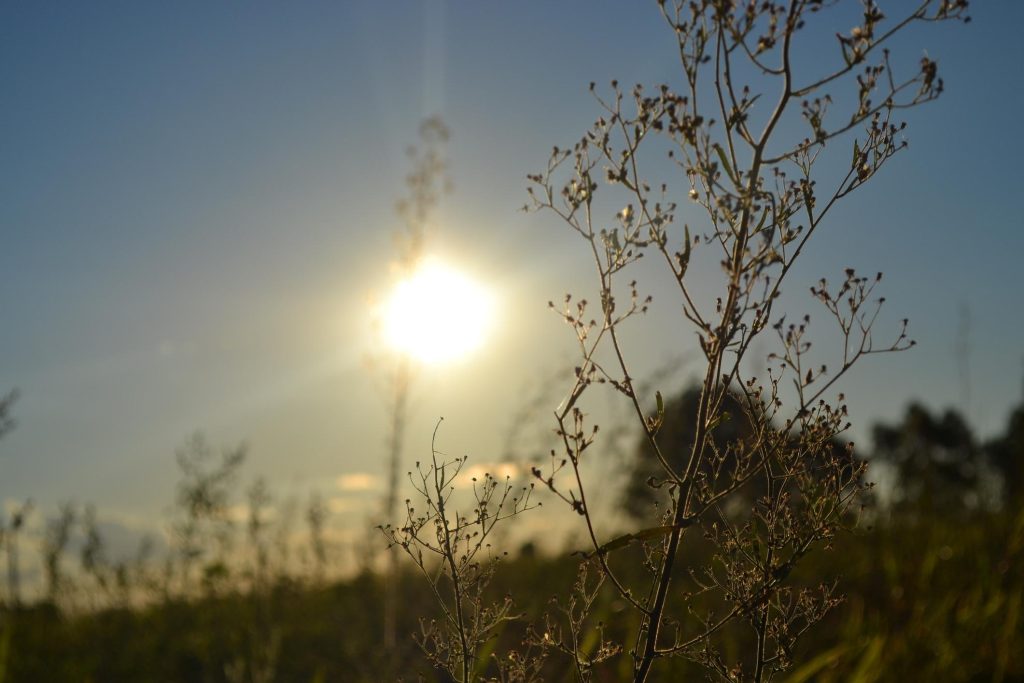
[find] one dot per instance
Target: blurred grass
(928, 599)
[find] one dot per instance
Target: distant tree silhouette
(677, 433)
(6, 421)
(9, 533)
(736, 430)
(935, 458)
(1006, 455)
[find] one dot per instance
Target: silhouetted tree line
(933, 462)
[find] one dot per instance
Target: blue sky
(196, 202)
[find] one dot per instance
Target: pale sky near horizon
(196, 205)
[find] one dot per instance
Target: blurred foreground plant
(425, 185)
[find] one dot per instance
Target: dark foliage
(935, 458)
(1006, 455)
(736, 426)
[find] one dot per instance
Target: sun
(437, 314)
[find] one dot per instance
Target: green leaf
(483, 656)
(721, 418)
(590, 642)
(764, 217)
(869, 668)
(725, 164)
(654, 423)
(643, 535)
(811, 669)
(684, 260)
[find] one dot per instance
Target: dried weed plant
(786, 483)
(453, 552)
(762, 203)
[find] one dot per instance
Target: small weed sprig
(452, 550)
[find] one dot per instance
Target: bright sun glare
(437, 314)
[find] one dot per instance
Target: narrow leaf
(721, 418)
(643, 535)
(725, 164)
(684, 260)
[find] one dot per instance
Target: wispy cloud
(356, 482)
(499, 470)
